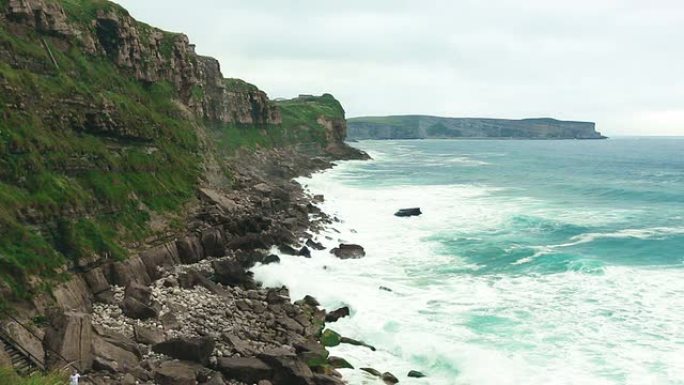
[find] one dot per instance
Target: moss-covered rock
(330, 338)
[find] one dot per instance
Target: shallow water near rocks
(535, 262)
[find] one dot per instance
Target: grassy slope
(51, 169)
(8, 376)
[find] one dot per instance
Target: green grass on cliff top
(299, 127)
(305, 110)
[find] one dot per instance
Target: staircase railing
(38, 362)
(34, 361)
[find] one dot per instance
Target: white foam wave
(647, 233)
(622, 327)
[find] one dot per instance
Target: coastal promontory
(433, 127)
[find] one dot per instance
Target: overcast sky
(619, 63)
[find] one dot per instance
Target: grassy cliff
(94, 143)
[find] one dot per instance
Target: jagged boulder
(138, 302)
(177, 373)
(69, 339)
(125, 272)
(330, 338)
(192, 278)
(148, 335)
(389, 378)
(96, 280)
(311, 352)
(288, 369)
(188, 349)
(245, 369)
(231, 273)
(114, 353)
(314, 245)
(339, 363)
(348, 251)
(213, 243)
(160, 258)
(190, 249)
(304, 252)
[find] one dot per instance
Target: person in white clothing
(74, 378)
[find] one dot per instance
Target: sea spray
(520, 270)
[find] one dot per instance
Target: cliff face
(149, 55)
(128, 161)
(426, 127)
(110, 127)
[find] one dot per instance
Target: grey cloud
(616, 62)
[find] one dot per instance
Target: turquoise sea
(535, 262)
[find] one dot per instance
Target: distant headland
(434, 127)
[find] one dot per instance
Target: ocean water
(535, 262)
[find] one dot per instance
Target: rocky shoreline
(198, 168)
(188, 311)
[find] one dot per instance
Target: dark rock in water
(314, 245)
(408, 212)
(304, 252)
(271, 259)
(188, 349)
(318, 198)
(246, 369)
(335, 315)
(231, 273)
(383, 288)
(389, 378)
(372, 371)
(138, 302)
(416, 374)
(354, 342)
(339, 363)
(287, 250)
(348, 251)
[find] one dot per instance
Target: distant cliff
(433, 127)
